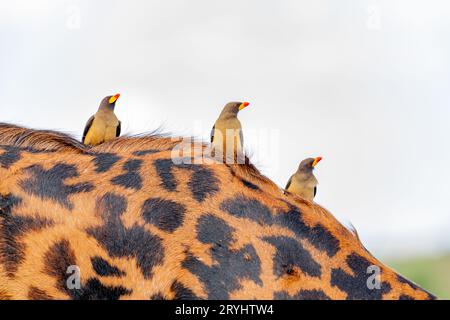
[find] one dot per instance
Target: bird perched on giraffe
(303, 183)
(227, 137)
(104, 125)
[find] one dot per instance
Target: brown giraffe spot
(104, 161)
(131, 179)
(202, 184)
(230, 267)
(166, 215)
(181, 292)
(10, 156)
(38, 294)
(104, 269)
(49, 184)
(318, 236)
(120, 241)
(289, 255)
(158, 296)
(13, 227)
(356, 286)
(414, 286)
(142, 153)
(59, 258)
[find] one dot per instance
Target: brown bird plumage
(228, 129)
(104, 125)
(303, 183)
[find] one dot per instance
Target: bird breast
(108, 118)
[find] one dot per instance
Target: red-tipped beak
(114, 98)
(244, 105)
(316, 161)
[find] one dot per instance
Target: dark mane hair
(46, 140)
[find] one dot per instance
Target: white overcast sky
(363, 83)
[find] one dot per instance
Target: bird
(303, 183)
(104, 125)
(228, 128)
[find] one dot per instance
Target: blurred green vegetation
(431, 273)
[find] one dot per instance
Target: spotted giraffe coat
(139, 225)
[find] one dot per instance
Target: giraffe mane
(45, 140)
(50, 140)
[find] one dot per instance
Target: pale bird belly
(228, 140)
(98, 133)
(110, 133)
(302, 190)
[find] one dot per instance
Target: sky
(365, 84)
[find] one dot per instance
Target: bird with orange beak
(104, 125)
(303, 183)
(227, 138)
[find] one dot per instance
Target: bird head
(309, 164)
(233, 108)
(109, 102)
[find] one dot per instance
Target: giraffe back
(131, 219)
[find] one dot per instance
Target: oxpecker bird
(226, 136)
(104, 125)
(303, 183)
